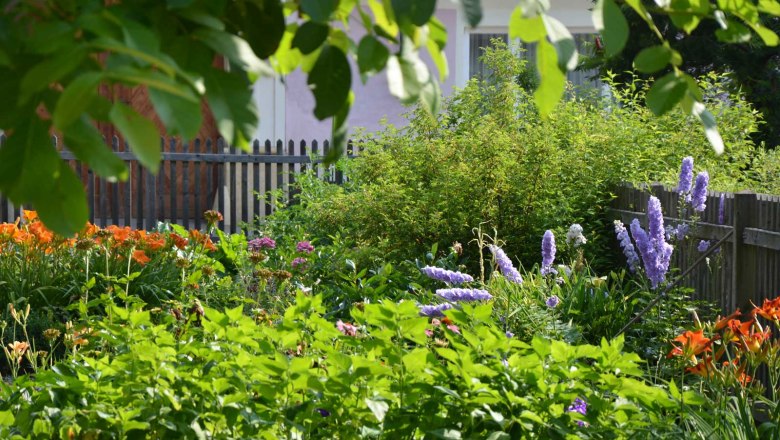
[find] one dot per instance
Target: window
(579, 78)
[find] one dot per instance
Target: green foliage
(489, 158)
(233, 377)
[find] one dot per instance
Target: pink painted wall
(372, 100)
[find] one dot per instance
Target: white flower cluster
(574, 237)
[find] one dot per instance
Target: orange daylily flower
(89, 230)
(755, 340)
(202, 239)
(155, 241)
(141, 257)
(40, 232)
(179, 241)
(120, 234)
(704, 368)
(693, 343)
(736, 329)
(770, 309)
(29, 216)
(721, 323)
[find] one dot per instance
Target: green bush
(489, 159)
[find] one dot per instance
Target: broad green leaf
(180, 116)
(735, 32)
(612, 25)
(381, 18)
(6, 418)
(235, 49)
(640, 9)
(153, 80)
(710, 127)
(5, 60)
(665, 93)
(232, 106)
(28, 162)
(64, 209)
(439, 59)
(339, 132)
(330, 81)
(310, 36)
(48, 37)
(85, 141)
(552, 81)
(372, 55)
(75, 99)
(406, 76)
(430, 96)
(437, 33)
(201, 17)
(473, 11)
(687, 14)
(767, 35)
(139, 37)
(769, 6)
(378, 407)
(416, 12)
(111, 45)
(140, 133)
(319, 10)
(563, 41)
(287, 58)
(262, 23)
(527, 29)
(653, 59)
(50, 71)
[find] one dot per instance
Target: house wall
(286, 106)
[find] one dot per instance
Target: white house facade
(286, 105)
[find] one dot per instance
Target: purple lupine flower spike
(505, 265)
(722, 209)
(699, 193)
(686, 177)
(548, 252)
(656, 253)
(455, 294)
(628, 247)
(703, 246)
(448, 276)
(435, 310)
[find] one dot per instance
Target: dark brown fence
(195, 176)
(748, 266)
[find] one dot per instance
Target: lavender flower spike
(722, 209)
(435, 310)
(699, 193)
(505, 265)
(628, 247)
(548, 252)
(656, 253)
(686, 177)
(448, 276)
(455, 294)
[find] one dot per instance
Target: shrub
(489, 159)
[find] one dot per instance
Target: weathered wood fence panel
(195, 176)
(747, 268)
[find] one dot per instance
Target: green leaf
(140, 133)
(50, 71)
(262, 24)
(473, 11)
(563, 41)
(339, 131)
(416, 12)
(310, 36)
(770, 38)
(610, 22)
(85, 141)
(372, 55)
(28, 162)
(665, 93)
(653, 59)
(64, 210)
(527, 29)
(75, 99)
(710, 127)
(447, 434)
(378, 407)
(235, 49)
(407, 76)
(735, 33)
(687, 14)
(319, 10)
(6, 418)
(439, 59)
(330, 80)
(231, 103)
(552, 81)
(180, 116)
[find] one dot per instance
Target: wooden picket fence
(747, 268)
(195, 176)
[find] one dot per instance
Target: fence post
(743, 278)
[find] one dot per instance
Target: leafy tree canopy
(55, 54)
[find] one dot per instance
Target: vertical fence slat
(128, 186)
(221, 184)
(142, 198)
(256, 180)
(115, 188)
(267, 180)
(232, 190)
(245, 194)
(186, 214)
(196, 165)
(172, 165)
